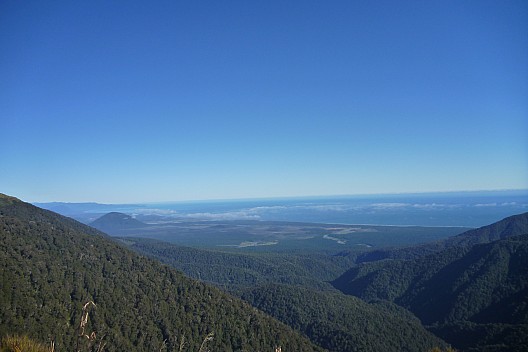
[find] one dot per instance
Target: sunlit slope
(51, 266)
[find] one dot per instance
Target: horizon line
(206, 200)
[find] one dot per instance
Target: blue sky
(134, 101)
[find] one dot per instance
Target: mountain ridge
(478, 278)
(51, 266)
(509, 226)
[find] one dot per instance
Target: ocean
(468, 209)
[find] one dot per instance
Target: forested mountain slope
(51, 266)
(291, 288)
(389, 279)
(343, 323)
(471, 292)
(234, 270)
(510, 226)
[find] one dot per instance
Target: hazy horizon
(422, 209)
(300, 197)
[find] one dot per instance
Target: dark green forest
(469, 290)
(294, 288)
(342, 323)
(51, 266)
(232, 270)
(473, 293)
(449, 285)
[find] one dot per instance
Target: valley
(336, 287)
(264, 176)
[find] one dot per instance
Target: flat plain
(279, 235)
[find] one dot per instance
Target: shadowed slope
(472, 281)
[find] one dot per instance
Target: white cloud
(389, 205)
(234, 215)
(169, 213)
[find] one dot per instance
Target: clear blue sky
(132, 101)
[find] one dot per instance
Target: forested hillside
(292, 287)
(343, 323)
(473, 294)
(51, 266)
(234, 270)
(470, 290)
(510, 226)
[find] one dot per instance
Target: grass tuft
(23, 344)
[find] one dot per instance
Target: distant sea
(469, 209)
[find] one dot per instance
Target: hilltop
(115, 223)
